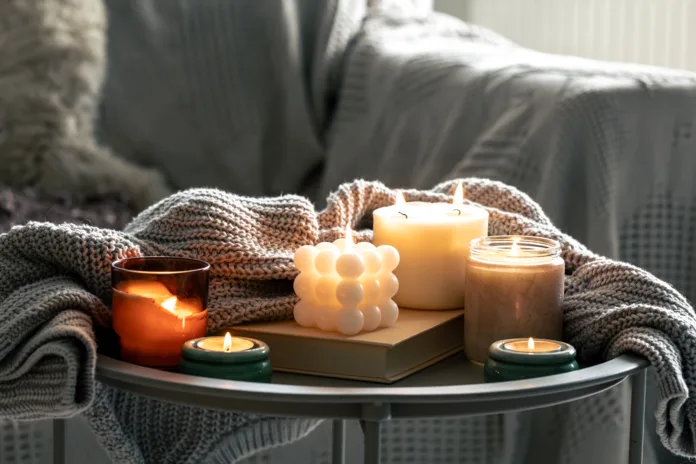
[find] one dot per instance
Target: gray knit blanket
(55, 288)
(19, 206)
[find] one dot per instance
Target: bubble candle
(346, 287)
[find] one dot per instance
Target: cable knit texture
(55, 284)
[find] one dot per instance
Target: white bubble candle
(346, 287)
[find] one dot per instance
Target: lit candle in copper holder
(158, 304)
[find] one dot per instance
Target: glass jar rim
(191, 265)
(499, 246)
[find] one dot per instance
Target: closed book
(417, 340)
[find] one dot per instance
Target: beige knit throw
(55, 283)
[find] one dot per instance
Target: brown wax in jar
(517, 298)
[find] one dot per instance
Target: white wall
(458, 8)
(658, 32)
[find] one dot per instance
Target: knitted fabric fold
(55, 283)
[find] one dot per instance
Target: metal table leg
(373, 452)
(58, 441)
(338, 442)
(635, 450)
(372, 417)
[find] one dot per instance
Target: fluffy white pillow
(52, 65)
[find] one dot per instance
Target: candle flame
(169, 304)
(227, 343)
(458, 197)
(530, 343)
(400, 200)
(515, 250)
(349, 238)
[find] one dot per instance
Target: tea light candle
(433, 242)
(514, 288)
(532, 346)
(346, 287)
(157, 304)
(227, 357)
(518, 359)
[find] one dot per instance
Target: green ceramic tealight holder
(229, 358)
(521, 358)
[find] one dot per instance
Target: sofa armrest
(607, 149)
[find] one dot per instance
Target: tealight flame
(169, 304)
(515, 249)
(227, 343)
(458, 197)
(349, 238)
(400, 200)
(530, 343)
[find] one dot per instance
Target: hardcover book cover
(418, 340)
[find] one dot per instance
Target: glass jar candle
(158, 303)
(513, 288)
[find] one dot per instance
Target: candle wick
(404, 214)
(459, 211)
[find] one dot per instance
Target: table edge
(110, 370)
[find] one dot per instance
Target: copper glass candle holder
(158, 303)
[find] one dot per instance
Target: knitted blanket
(21, 206)
(55, 286)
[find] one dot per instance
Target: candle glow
(400, 200)
(513, 288)
(532, 346)
(349, 239)
(458, 197)
(226, 344)
(346, 287)
(153, 313)
(227, 357)
(169, 304)
(433, 242)
(526, 358)
(515, 251)
(172, 305)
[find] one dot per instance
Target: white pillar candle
(433, 242)
(345, 287)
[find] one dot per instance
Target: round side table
(452, 387)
